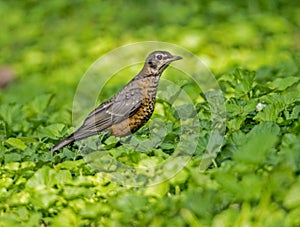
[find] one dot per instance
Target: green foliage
(252, 48)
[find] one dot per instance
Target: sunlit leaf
(17, 143)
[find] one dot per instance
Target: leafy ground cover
(251, 47)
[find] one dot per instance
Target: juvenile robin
(131, 108)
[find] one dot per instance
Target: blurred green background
(49, 45)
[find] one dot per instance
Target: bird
(129, 109)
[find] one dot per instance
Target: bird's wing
(119, 108)
(125, 105)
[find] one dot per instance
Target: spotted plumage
(130, 108)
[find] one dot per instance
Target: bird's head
(158, 61)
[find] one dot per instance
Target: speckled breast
(148, 88)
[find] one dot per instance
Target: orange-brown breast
(148, 88)
(136, 121)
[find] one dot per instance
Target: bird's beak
(167, 61)
(174, 58)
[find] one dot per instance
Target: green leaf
(295, 113)
(292, 199)
(11, 113)
(2, 130)
(66, 217)
(269, 113)
(76, 192)
(281, 84)
(189, 217)
(43, 178)
(40, 103)
(6, 182)
(52, 131)
(260, 140)
(290, 144)
(12, 157)
(40, 188)
(71, 165)
(276, 103)
(63, 177)
(130, 203)
(12, 166)
(201, 202)
(244, 81)
(158, 190)
(235, 123)
(16, 143)
(43, 198)
(91, 210)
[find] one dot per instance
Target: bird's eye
(159, 57)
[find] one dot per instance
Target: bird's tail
(63, 143)
(77, 135)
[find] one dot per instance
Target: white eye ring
(159, 57)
